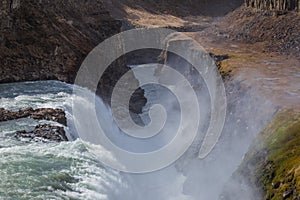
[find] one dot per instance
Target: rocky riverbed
(42, 132)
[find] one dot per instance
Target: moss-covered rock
(273, 163)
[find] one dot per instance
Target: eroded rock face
(56, 115)
(41, 40)
(48, 40)
(43, 133)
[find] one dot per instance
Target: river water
(67, 170)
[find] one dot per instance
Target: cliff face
(276, 5)
(43, 40)
(49, 39)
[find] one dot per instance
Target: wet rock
(287, 194)
(56, 115)
(43, 133)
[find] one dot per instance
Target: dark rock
(44, 133)
(276, 185)
(219, 58)
(287, 194)
(56, 115)
(48, 40)
(113, 74)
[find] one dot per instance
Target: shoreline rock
(56, 115)
(48, 40)
(43, 133)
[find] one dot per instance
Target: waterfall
(70, 170)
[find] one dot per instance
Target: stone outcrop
(43, 133)
(56, 115)
(276, 5)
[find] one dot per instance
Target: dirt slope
(184, 15)
(279, 32)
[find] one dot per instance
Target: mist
(189, 177)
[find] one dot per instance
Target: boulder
(56, 115)
(43, 133)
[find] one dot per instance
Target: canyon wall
(49, 39)
(42, 39)
(276, 5)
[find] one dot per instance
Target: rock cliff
(276, 5)
(49, 39)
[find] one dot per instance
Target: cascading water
(50, 170)
(68, 170)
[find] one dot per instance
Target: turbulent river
(67, 170)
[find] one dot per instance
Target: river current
(67, 170)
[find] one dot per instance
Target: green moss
(276, 158)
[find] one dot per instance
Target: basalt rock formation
(276, 5)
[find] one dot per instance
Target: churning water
(67, 170)
(49, 170)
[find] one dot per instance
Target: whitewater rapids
(67, 170)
